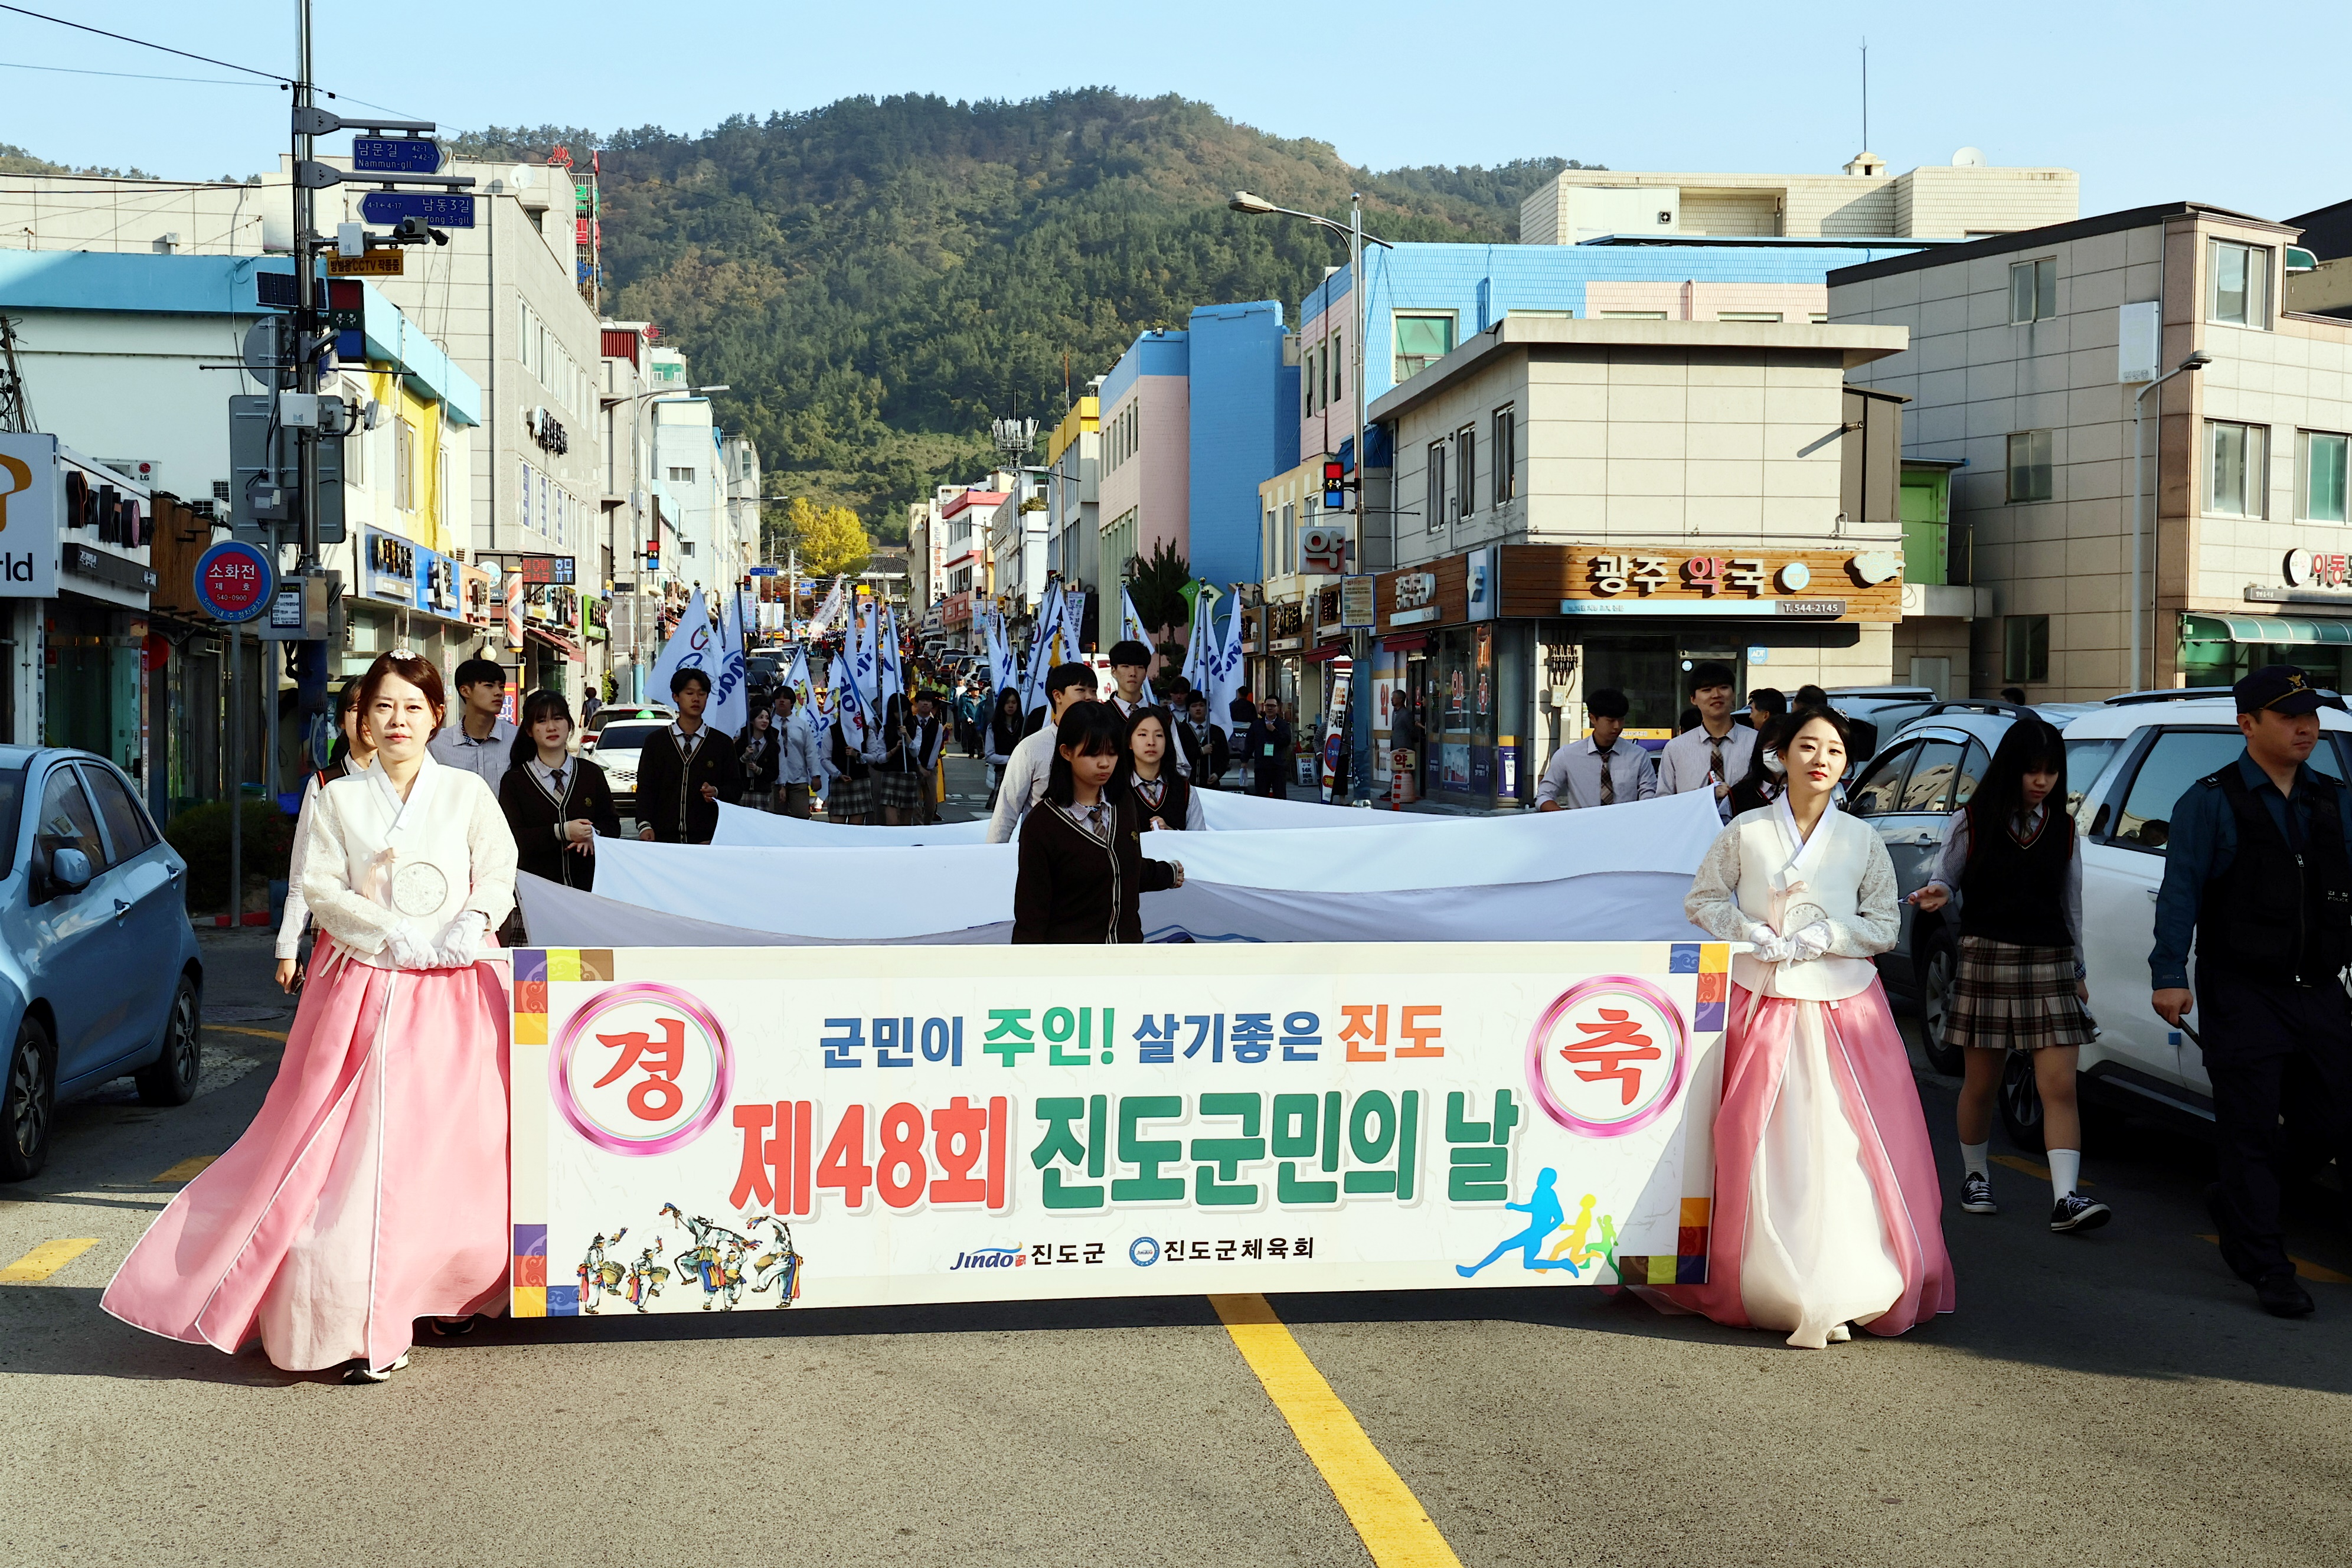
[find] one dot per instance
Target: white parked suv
(2127, 762)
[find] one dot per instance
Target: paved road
(2108, 1399)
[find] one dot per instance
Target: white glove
(1811, 943)
(408, 947)
(1771, 948)
(455, 947)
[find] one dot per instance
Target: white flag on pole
(694, 645)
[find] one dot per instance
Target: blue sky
(2149, 102)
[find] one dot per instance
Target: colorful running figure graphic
(1577, 1248)
(1545, 1216)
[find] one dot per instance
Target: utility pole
(306, 291)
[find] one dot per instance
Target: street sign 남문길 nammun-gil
(395, 155)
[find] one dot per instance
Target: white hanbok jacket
(1757, 871)
(372, 861)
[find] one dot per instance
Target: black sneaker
(2075, 1212)
(2282, 1297)
(1975, 1194)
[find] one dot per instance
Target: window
(1422, 341)
(681, 476)
(2237, 457)
(403, 465)
(2320, 466)
(1288, 555)
(1435, 472)
(2034, 290)
(1748, 316)
(2025, 648)
(1323, 375)
(1818, 318)
(2030, 465)
(1882, 786)
(2178, 759)
(67, 822)
(1929, 788)
(2240, 291)
(1339, 370)
(441, 491)
(127, 827)
(1466, 470)
(2086, 760)
(1973, 771)
(1632, 315)
(1506, 455)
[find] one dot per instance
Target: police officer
(2256, 868)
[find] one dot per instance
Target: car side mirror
(71, 869)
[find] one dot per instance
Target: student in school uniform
(1030, 765)
(687, 770)
(1163, 798)
(1713, 753)
(1083, 875)
(1602, 768)
(557, 805)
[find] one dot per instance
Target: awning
(556, 640)
(1405, 642)
(1323, 653)
(2264, 630)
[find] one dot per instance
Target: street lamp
(636, 402)
(1359, 641)
(2196, 361)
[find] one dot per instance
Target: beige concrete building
(1605, 503)
(2028, 356)
(1964, 198)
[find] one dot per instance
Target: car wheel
(1935, 969)
(28, 1104)
(2020, 1101)
(172, 1079)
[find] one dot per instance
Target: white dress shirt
(798, 761)
(1573, 777)
(1024, 784)
(486, 760)
(1688, 763)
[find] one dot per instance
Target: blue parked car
(99, 971)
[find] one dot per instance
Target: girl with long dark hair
(1006, 726)
(1083, 875)
(558, 804)
(1164, 799)
(2011, 857)
(1827, 1215)
(1760, 786)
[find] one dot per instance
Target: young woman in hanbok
(1827, 1214)
(370, 1191)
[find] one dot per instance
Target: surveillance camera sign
(31, 496)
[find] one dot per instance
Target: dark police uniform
(2265, 882)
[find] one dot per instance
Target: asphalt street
(2113, 1398)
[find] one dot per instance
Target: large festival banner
(746, 1129)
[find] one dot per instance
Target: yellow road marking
(241, 1030)
(2039, 1173)
(187, 1170)
(44, 1261)
(1396, 1529)
(2303, 1266)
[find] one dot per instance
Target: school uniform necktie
(1715, 758)
(1608, 780)
(556, 778)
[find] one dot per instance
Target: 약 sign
(745, 1130)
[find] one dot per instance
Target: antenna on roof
(1865, 92)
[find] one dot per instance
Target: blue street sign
(763, 572)
(441, 212)
(395, 155)
(234, 581)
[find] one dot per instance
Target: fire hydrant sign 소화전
(747, 1130)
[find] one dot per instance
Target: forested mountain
(877, 279)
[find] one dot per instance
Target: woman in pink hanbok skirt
(372, 1189)
(1827, 1212)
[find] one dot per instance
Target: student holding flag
(1026, 772)
(799, 767)
(687, 770)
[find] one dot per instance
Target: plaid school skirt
(2008, 998)
(847, 796)
(901, 791)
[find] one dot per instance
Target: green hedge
(200, 833)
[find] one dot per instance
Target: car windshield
(12, 801)
(631, 737)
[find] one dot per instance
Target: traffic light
(1335, 484)
(653, 555)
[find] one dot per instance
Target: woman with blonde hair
(371, 1189)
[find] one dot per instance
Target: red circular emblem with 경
(1608, 1055)
(641, 1069)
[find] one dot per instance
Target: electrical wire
(143, 43)
(132, 76)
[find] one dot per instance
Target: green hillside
(877, 279)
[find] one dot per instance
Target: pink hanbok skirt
(370, 1190)
(1827, 1209)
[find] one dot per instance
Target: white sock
(1975, 1159)
(2065, 1169)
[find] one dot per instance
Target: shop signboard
(1742, 582)
(391, 567)
(234, 581)
(753, 1129)
(32, 500)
